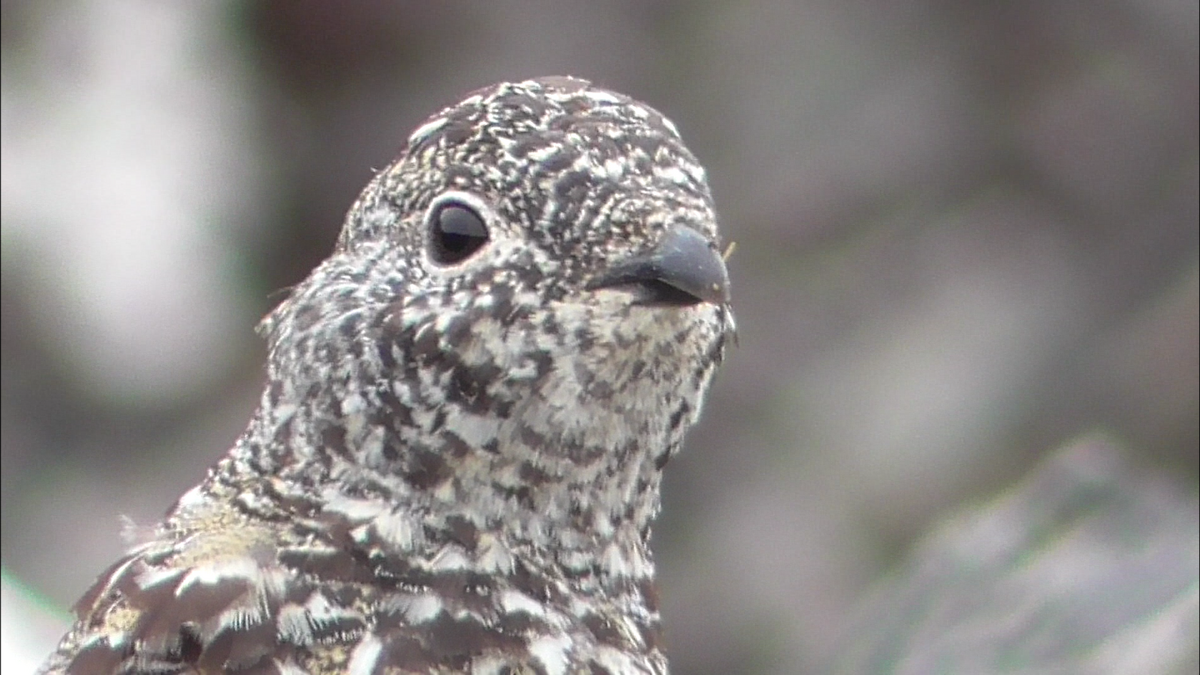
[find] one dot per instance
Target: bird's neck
(432, 495)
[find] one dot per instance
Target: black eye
(455, 232)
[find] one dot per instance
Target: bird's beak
(682, 270)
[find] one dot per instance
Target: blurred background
(966, 235)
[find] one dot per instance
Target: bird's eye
(456, 231)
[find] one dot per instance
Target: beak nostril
(683, 261)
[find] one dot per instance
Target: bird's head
(530, 297)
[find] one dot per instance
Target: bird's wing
(224, 593)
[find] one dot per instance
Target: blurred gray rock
(1083, 567)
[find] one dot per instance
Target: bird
(455, 463)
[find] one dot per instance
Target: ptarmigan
(456, 459)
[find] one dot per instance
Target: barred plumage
(456, 460)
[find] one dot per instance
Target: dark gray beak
(682, 270)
